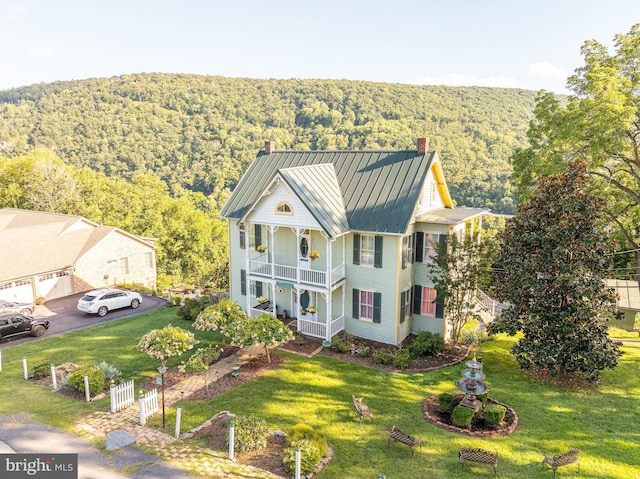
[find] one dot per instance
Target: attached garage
(47, 255)
(20, 291)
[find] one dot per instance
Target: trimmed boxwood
(304, 431)
(462, 416)
(494, 414)
(94, 376)
(445, 401)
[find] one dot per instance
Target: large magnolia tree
(600, 124)
(551, 266)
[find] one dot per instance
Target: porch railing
(319, 330)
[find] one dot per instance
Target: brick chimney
(423, 145)
(269, 146)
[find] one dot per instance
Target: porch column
(272, 249)
(247, 287)
(329, 282)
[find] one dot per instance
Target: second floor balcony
(261, 266)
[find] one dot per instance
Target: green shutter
(419, 246)
(242, 237)
(243, 282)
(356, 248)
(258, 288)
(377, 258)
(417, 299)
(377, 307)
(442, 239)
(356, 304)
(258, 234)
(439, 305)
(402, 298)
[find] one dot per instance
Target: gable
(264, 211)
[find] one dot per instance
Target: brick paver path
(196, 460)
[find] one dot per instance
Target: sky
(496, 43)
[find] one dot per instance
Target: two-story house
(340, 240)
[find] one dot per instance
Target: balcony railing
(293, 274)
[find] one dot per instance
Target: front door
(304, 248)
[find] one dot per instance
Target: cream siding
(265, 210)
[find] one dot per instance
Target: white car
(101, 301)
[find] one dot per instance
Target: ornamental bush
(382, 356)
(192, 307)
(494, 414)
(95, 377)
(445, 401)
(342, 343)
(309, 456)
(42, 370)
(251, 433)
(403, 359)
(109, 372)
(462, 416)
(427, 344)
(304, 431)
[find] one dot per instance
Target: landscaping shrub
(462, 416)
(41, 370)
(192, 307)
(363, 351)
(427, 344)
(403, 359)
(109, 372)
(250, 434)
(482, 398)
(469, 336)
(382, 356)
(309, 456)
(176, 300)
(304, 431)
(342, 343)
(445, 401)
(95, 377)
(494, 414)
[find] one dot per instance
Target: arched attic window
(284, 208)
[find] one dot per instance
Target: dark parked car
(15, 324)
(10, 307)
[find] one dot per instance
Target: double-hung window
(367, 250)
(367, 305)
(427, 302)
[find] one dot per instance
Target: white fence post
(87, 393)
(178, 415)
(24, 367)
(54, 380)
(297, 462)
(232, 438)
(143, 418)
(0, 360)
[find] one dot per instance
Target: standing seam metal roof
(380, 189)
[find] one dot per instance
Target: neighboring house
(51, 255)
(348, 233)
(628, 293)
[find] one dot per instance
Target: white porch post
(272, 249)
(247, 287)
(329, 282)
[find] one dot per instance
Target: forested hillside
(200, 132)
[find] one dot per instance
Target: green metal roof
(379, 189)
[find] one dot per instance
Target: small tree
(200, 360)
(552, 262)
(241, 330)
(163, 344)
(456, 275)
(166, 342)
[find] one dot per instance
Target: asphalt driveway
(65, 317)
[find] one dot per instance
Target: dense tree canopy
(199, 133)
(552, 261)
(600, 124)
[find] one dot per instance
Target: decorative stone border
(511, 420)
(321, 465)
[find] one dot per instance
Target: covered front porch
(317, 313)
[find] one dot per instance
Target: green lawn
(601, 421)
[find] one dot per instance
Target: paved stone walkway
(196, 460)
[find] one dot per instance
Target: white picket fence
(122, 396)
(148, 405)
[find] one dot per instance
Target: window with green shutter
(243, 282)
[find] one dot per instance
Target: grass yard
(602, 421)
